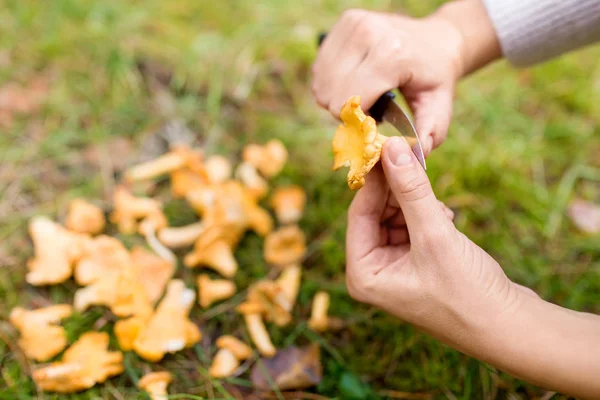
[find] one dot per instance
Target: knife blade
(386, 109)
(395, 116)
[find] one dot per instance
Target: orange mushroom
(85, 217)
(256, 185)
(127, 330)
(130, 209)
(155, 384)
(153, 272)
(103, 256)
(41, 339)
(268, 159)
(169, 329)
(356, 143)
(252, 313)
(289, 202)
(218, 169)
(84, 364)
(213, 290)
(181, 236)
(56, 251)
(123, 293)
(289, 283)
(285, 246)
(185, 180)
(213, 250)
(319, 320)
(227, 360)
(179, 157)
(271, 300)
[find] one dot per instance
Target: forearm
(541, 343)
(480, 42)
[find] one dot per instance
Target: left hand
(405, 255)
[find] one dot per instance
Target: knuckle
(416, 188)
(367, 28)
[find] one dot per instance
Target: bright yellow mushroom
(268, 159)
(155, 384)
(41, 339)
(356, 143)
(84, 364)
(288, 203)
(285, 246)
(213, 290)
(85, 217)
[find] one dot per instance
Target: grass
(522, 144)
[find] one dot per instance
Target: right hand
(368, 53)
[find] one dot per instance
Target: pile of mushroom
(137, 285)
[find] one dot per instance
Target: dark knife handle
(378, 109)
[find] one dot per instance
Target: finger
(410, 185)
(447, 211)
(433, 113)
(338, 54)
(364, 216)
(381, 70)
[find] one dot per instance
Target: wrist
(479, 43)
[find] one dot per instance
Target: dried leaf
(291, 368)
(585, 216)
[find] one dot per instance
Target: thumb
(411, 188)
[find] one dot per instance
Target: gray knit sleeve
(531, 31)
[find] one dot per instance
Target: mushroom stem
(318, 319)
(259, 334)
(289, 282)
(149, 231)
(224, 364)
(181, 236)
(157, 167)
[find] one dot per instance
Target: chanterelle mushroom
(185, 180)
(289, 283)
(289, 202)
(153, 272)
(258, 332)
(214, 249)
(356, 143)
(285, 246)
(56, 251)
(227, 360)
(255, 184)
(85, 217)
(181, 236)
(319, 320)
(268, 159)
(169, 330)
(103, 256)
(155, 384)
(218, 169)
(212, 290)
(130, 209)
(41, 339)
(84, 364)
(271, 300)
(178, 158)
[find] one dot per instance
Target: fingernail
(429, 144)
(398, 151)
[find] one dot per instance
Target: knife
(386, 109)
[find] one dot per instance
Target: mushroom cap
(56, 251)
(155, 382)
(289, 203)
(40, 338)
(240, 349)
(212, 290)
(128, 209)
(285, 246)
(218, 169)
(185, 180)
(255, 184)
(85, 217)
(153, 272)
(216, 255)
(268, 159)
(103, 255)
(224, 364)
(127, 330)
(273, 302)
(356, 143)
(84, 364)
(169, 329)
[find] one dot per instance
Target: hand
(369, 53)
(405, 256)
